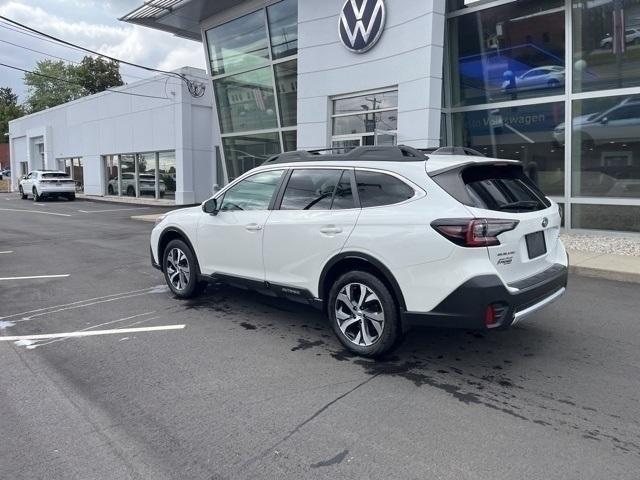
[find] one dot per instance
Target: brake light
(475, 232)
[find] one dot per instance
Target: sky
(93, 24)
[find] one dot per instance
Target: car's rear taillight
(474, 232)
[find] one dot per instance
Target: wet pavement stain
(248, 326)
(306, 344)
(339, 458)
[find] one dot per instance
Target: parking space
(106, 375)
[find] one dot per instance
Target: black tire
(110, 190)
(131, 191)
(71, 197)
(391, 328)
(193, 286)
(22, 194)
(36, 195)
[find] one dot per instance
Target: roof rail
(399, 153)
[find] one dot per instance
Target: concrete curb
(614, 275)
(621, 268)
(146, 218)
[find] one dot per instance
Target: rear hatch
(501, 190)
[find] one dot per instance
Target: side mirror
(210, 207)
(604, 121)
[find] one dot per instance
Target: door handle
(331, 230)
(253, 227)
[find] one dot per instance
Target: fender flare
(377, 264)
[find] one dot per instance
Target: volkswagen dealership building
(553, 83)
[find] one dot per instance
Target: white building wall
(409, 55)
(112, 123)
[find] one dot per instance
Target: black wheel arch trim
(184, 237)
(377, 264)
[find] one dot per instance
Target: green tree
(50, 84)
(98, 74)
(53, 83)
(9, 110)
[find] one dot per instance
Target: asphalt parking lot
(237, 385)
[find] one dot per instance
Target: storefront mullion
(253, 103)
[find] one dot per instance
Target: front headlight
(160, 218)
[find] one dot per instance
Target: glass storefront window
(283, 27)
(290, 140)
(246, 102)
(526, 133)
(243, 153)
(167, 174)
(112, 174)
(606, 42)
(149, 174)
(606, 217)
(364, 103)
(508, 52)
(606, 147)
(238, 45)
(146, 174)
(367, 123)
(287, 86)
(127, 177)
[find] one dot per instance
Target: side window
(253, 193)
(310, 189)
(378, 189)
(343, 199)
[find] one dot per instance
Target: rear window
(55, 175)
(494, 187)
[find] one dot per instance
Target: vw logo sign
(361, 24)
(545, 223)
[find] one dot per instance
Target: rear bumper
(466, 306)
(56, 190)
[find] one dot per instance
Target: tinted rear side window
(310, 189)
(378, 189)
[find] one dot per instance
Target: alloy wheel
(359, 314)
(178, 270)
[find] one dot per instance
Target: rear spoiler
(456, 166)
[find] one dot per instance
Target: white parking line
(88, 302)
(92, 333)
(93, 327)
(37, 277)
(34, 211)
(113, 210)
(7, 252)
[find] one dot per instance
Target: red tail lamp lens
(475, 232)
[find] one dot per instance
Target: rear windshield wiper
(523, 204)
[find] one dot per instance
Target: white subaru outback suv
(380, 238)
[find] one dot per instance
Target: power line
(60, 58)
(21, 31)
(57, 79)
(196, 89)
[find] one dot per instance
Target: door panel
(317, 215)
(297, 244)
(231, 242)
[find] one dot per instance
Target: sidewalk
(623, 268)
(128, 200)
